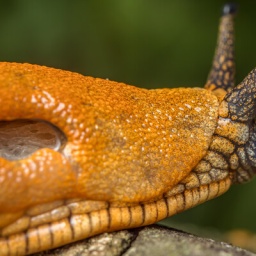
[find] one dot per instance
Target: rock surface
(151, 240)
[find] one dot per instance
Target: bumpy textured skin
(124, 143)
(237, 119)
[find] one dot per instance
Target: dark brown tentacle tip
(229, 8)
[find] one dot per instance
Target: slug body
(117, 136)
(82, 155)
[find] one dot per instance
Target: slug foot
(54, 224)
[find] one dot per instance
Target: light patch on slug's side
(21, 138)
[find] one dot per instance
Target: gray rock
(151, 240)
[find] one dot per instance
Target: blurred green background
(141, 42)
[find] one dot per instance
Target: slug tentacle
(221, 78)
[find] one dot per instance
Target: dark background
(141, 42)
